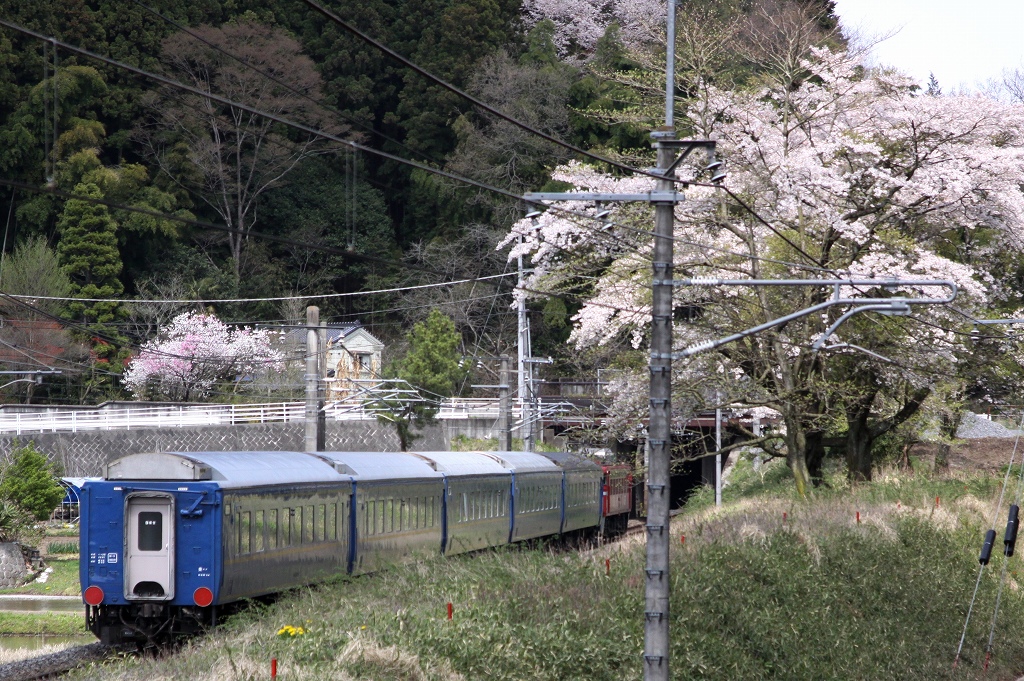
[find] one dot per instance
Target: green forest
(238, 161)
(194, 199)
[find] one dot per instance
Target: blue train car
(581, 506)
(397, 512)
(478, 500)
(536, 494)
(166, 537)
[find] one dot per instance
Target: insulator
(1012, 525)
(986, 548)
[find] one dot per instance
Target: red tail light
(93, 595)
(202, 597)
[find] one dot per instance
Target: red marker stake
(449, 611)
(273, 667)
(607, 567)
(858, 517)
(936, 502)
(682, 539)
(784, 514)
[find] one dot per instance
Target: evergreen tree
(30, 482)
(433, 366)
(88, 254)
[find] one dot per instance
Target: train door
(149, 547)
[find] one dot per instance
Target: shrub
(31, 482)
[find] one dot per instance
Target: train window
(151, 530)
(243, 533)
(332, 522)
(307, 525)
(321, 522)
(257, 532)
(272, 529)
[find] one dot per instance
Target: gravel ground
(974, 427)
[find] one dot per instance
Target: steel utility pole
(670, 153)
(504, 415)
(525, 352)
(659, 431)
(312, 376)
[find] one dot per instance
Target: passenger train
(167, 538)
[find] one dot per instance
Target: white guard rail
(78, 420)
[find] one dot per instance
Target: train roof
(463, 463)
(570, 461)
(522, 462)
(229, 469)
(379, 465)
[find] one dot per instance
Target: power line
(540, 133)
(317, 296)
(310, 130)
(270, 77)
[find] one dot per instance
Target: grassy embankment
(815, 596)
(61, 554)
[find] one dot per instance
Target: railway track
(56, 664)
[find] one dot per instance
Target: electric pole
(504, 415)
(670, 153)
(312, 376)
(525, 352)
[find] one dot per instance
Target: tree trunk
(815, 456)
(858, 451)
(796, 454)
(948, 425)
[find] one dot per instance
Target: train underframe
(147, 624)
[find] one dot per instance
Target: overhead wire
(277, 81)
(312, 296)
(353, 145)
(408, 63)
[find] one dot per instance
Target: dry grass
(18, 654)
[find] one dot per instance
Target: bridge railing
(170, 416)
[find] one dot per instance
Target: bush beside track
(814, 596)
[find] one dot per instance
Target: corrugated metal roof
(381, 465)
(522, 462)
(464, 463)
(230, 469)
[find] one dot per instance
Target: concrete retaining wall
(85, 454)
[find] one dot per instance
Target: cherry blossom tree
(197, 351)
(842, 172)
